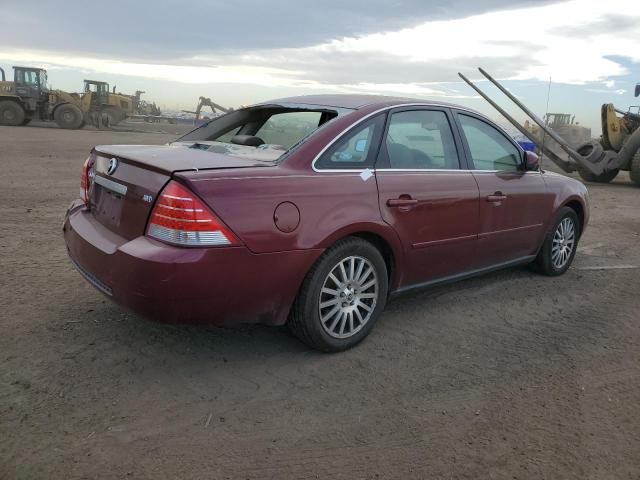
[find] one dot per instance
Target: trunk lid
(125, 180)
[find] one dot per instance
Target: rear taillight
(181, 218)
(84, 181)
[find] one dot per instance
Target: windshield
(260, 129)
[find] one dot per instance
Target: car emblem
(113, 164)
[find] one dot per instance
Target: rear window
(288, 128)
(264, 126)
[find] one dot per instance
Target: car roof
(353, 101)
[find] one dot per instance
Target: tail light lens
(181, 218)
(84, 182)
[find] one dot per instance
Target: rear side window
(421, 140)
(355, 150)
(489, 148)
(288, 128)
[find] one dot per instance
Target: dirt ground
(512, 375)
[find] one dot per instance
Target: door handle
(496, 197)
(402, 202)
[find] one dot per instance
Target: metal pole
(570, 151)
(564, 164)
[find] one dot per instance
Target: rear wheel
(68, 116)
(635, 168)
(342, 297)
(11, 113)
(26, 121)
(560, 244)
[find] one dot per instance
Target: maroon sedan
(313, 210)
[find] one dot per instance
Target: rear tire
(26, 121)
(341, 297)
(560, 244)
(68, 116)
(11, 113)
(634, 171)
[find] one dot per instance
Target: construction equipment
(596, 161)
(207, 102)
(563, 124)
(25, 98)
(97, 105)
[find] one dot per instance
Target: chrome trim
(111, 185)
(390, 107)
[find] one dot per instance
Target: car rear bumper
(220, 286)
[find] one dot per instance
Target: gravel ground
(512, 375)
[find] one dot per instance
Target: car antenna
(546, 120)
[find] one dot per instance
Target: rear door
(427, 194)
(513, 202)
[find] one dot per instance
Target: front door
(427, 195)
(513, 202)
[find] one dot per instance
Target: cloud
(350, 48)
(169, 30)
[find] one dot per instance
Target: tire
(11, 113)
(68, 116)
(592, 151)
(547, 262)
(114, 114)
(634, 171)
(352, 321)
(26, 121)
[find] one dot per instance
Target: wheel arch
(380, 236)
(577, 205)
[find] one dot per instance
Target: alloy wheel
(564, 240)
(348, 297)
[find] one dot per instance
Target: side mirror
(638, 90)
(531, 161)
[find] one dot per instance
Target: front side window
(355, 150)
(489, 148)
(288, 128)
(421, 140)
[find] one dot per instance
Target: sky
(574, 55)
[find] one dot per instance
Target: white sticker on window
(366, 175)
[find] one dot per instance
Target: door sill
(462, 276)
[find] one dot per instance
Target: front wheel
(11, 113)
(560, 244)
(68, 116)
(341, 297)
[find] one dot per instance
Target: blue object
(528, 146)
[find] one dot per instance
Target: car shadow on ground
(106, 326)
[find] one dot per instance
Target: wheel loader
(25, 98)
(97, 105)
(596, 160)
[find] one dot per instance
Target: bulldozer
(595, 160)
(24, 98)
